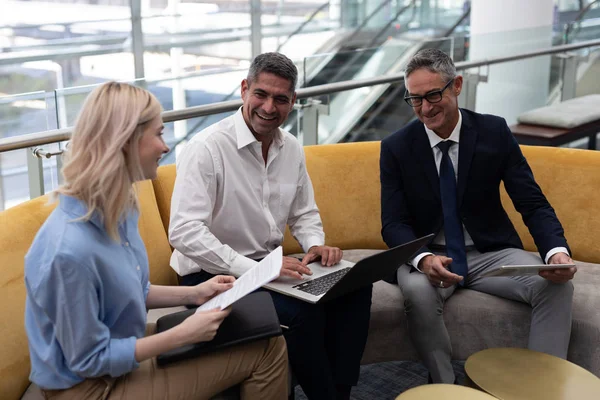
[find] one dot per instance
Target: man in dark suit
(442, 174)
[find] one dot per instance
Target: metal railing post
(59, 164)
(468, 95)
(310, 120)
(255, 25)
(137, 38)
(35, 172)
(569, 76)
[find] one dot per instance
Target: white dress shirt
(229, 208)
(434, 140)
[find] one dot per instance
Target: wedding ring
(441, 284)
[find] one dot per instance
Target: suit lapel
(424, 155)
(468, 138)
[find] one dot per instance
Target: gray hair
(433, 60)
(276, 64)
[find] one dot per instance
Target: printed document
(257, 276)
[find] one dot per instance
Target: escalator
(584, 25)
(372, 113)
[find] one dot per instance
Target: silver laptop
(327, 283)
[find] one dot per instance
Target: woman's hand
(212, 287)
(202, 326)
(199, 327)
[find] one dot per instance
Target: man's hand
(212, 287)
(436, 269)
(329, 255)
(294, 268)
(559, 275)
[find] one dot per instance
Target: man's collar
(434, 139)
(245, 137)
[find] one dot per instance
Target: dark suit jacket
(488, 153)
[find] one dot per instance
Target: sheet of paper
(257, 276)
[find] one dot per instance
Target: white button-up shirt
(229, 208)
(434, 140)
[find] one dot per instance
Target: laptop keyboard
(320, 285)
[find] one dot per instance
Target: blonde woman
(87, 278)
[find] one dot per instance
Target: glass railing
(189, 38)
(372, 112)
(22, 114)
(211, 86)
(174, 94)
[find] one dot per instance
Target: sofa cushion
(163, 191)
(476, 321)
(566, 177)
(567, 114)
(155, 237)
(19, 227)
(345, 178)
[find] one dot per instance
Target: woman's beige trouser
(261, 369)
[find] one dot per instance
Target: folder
(252, 318)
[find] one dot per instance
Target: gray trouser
(423, 303)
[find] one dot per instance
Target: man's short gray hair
(276, 64)
(433, 60)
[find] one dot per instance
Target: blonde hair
(102, 160)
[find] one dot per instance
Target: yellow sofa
(346, 182)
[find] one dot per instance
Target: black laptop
(327, 283)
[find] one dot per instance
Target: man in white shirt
(442, 174)
(239, 182)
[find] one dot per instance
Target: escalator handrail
(578, 18)
(462, 19)
(368, 19)
(585, 10)
(357, 55)
(392, 20)
(302, 25)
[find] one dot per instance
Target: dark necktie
(455, 241)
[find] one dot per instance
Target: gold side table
(515, 374)
(444, 391)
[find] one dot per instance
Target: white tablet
(518, 270)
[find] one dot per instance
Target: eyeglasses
(431, 97)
